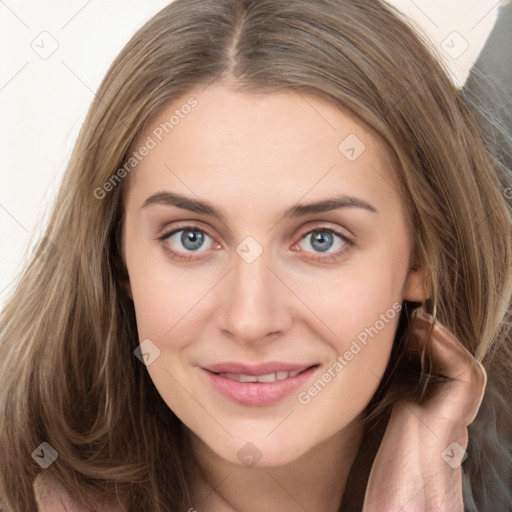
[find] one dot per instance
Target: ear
(416, 287)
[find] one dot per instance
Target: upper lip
(256, 369)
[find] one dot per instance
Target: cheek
(359, 310)
(358, 299)
(164, 295)
(364, 320)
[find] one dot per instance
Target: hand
(417, 467)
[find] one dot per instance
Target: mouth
(260, 385)
(268, 377)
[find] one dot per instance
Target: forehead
(249, 145)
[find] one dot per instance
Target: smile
(259, 390)
(269, 377)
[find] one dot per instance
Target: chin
(261, 452)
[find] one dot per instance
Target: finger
(457, 361)
(453, 360)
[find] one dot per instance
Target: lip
(258, 393)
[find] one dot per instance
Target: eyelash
(348, 243)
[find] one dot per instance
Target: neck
(315, 481)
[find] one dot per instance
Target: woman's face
(298, 263)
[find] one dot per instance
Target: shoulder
(51, 497)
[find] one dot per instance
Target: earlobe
(416, 286)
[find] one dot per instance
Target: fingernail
(421, 314)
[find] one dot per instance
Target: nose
(256, 304)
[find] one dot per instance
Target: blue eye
(192, 239)
(323, 240)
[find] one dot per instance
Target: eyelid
(328, 227)
(195, 226)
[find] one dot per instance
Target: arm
(418, 464)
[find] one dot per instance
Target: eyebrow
(298, 210)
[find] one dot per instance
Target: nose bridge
(255, 301)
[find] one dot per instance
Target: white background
(43, 101)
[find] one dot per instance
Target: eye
(186, 239)
(326, 242)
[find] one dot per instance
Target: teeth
(247, 378)
(269, 377)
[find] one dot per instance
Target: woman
(245, 365)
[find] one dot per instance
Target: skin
(418, 465)
(254, 156)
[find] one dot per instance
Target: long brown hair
(67, 335)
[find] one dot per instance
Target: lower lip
(259, 393)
